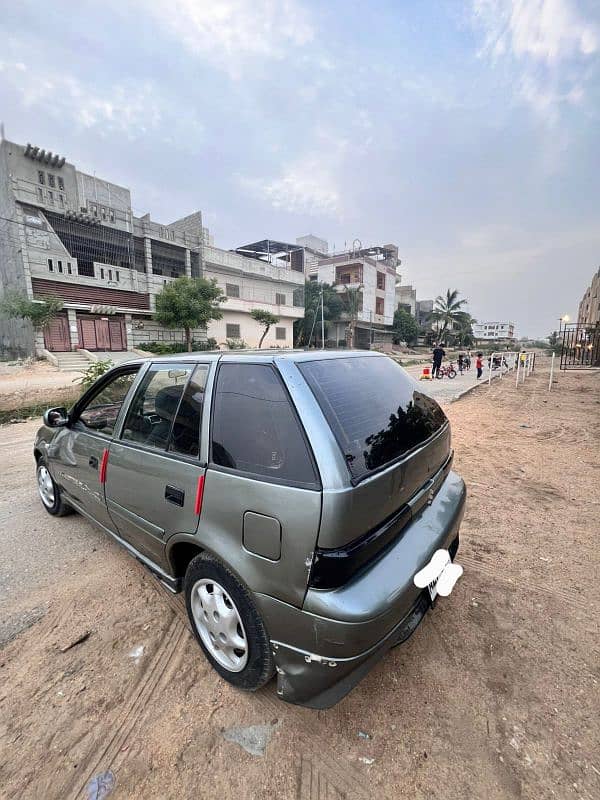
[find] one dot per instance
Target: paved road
(447, 390)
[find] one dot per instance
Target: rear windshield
(373, 407)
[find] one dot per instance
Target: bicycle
(448, 371)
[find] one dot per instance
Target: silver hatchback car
(303, 501)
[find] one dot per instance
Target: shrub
(167, 348)
(94, 371)
(236, 344)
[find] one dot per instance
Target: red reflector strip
(199, 495)
(103, 465)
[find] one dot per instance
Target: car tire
(223, 614)
(49, 493)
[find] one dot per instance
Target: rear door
(262, 497)
(154, 467)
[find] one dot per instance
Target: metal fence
(580, 346)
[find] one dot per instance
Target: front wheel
(452, 373)
(439, 375)
(227, 624)
(50, 493)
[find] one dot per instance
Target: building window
(110, 274)
(379, 305)
(50, 196)
(60, 269)
(117, 275)
(69, 267)
(61, 199)
(61, 184)
(280, 333)
(50, 265)
(381, 280)
(112, 215)
(102, 272)
(41, 177)
(279, 299)
(232, 290)
(103, 212)
(94, 209)
(40, 195)
(51, 180)
(232, 331)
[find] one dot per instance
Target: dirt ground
(495, 696)
(34, 382)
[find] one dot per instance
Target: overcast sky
(468, 133)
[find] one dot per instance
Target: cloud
(545, 30)
(232, 33)
(306, 186)
(126, 107)
(550, 43)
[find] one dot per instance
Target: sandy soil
(495, 696)
(33, 383)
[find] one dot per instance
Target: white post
(551, 371)
(518, 368)
(490, 368)
(524, 369)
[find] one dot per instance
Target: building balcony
(217, 259)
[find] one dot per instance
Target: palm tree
(463, 329)
(446, 310)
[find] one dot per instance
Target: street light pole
(322, 323)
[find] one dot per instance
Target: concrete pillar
(149, 279)
(73, 332)
(188, 263)
(129, 331)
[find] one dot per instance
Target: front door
(102, 333)
(77, 457)
(57, 338)
(153, 471)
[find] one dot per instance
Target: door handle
(93, 462)
(174, 495)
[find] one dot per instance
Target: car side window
(154, 405)
(101, 411)
(185, 436)
(254, 427)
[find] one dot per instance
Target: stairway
(71, 362)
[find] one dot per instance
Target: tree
(463, 329)
(445, 312)
(332, 309)
(352, 299)
(553, 339)
(266, 319)
(16, 305)
(406, 328)
(189, 303)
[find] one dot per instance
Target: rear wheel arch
(180, 554)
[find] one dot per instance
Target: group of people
(464, 361)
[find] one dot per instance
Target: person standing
(479, 365)
(461, 363)
(438, 355)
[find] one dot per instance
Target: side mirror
(56, 417)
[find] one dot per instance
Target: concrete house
(71, 235)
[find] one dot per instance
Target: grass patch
(36, 409)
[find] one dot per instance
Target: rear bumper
(324, 649)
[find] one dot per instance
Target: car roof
(256, 355)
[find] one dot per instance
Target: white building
(372, 271)
(494, 331)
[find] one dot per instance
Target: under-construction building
(67, 234)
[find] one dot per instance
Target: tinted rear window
(373, 407)
(255, 429)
